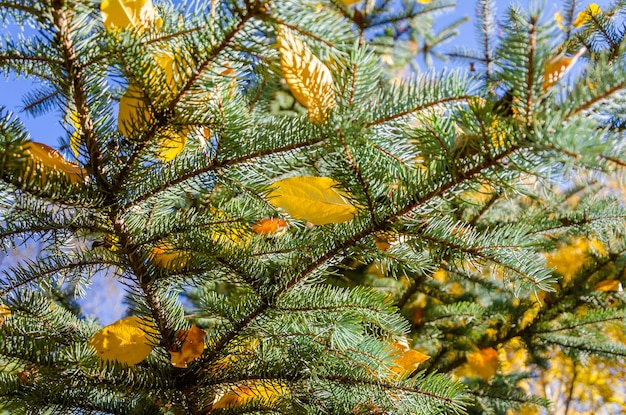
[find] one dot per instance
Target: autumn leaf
(269, 226)
(570, 257)
(167, 257)
(75, 137)
(314, 199)
(609, 285)
(482, 363)
(585, 16)
(189, 346)
(128, 341)
(44, 157)
(350, 2)
(4, 313)
(264, 391)
(133, 115)
(557, 66)
(138, 14)
(407, 360)
(309, 80)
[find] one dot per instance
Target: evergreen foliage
(486, 224)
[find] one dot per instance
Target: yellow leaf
(560, 20)
(350, 2)
(585, 16)
(269, 225)
(138, 14)
(170, 144)
(134, 115)
(314, 199)
(189, 346)
(407, 360)
(308, 78)
(129, 340)
(4, 312)
(482, 363)
(75, 137)
(264, 391)
(569, 258)
(609, 285)
(424, 1)
(45, 157)
(133, 112)
(557, 66)
(165, 256)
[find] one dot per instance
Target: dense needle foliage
(305, 222)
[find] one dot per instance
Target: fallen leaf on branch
(314, 199)
(128, 341)
(309, 80)
(266, 392)
(167, 257)
(138, 14)
(407, 360)
(269, 225)
(43, 157)
(189, 346)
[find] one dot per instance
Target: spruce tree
(303, 220)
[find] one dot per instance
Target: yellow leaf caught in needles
(585, 16)
(44, 158)
(557, 66)
(314, 199)
(138, 14)
(4, 312)
(263, 391)
(482, 363)
(133, 115)
(407, 359)
(189, 346)
(167, 257)
(129, 340)
(309, 80)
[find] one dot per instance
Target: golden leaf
(138, 14)
(569, 258)
(609, 285)
(269, 225)
(47, 158)
(134, 115)
(309, 80)
(407, 360)
(424, 1)
(585, 16)
(4, 312)
(482, 363)
(75, 137)
(129, 340)
(350, 2)
(560, 20)
(557, 66)
(189, 346)
(314, 199)
(166, 257)
(265, 391)
(170, 144)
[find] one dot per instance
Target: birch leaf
(557, 66)
(189, 346)
(138, 14)
(265, 391)
(309, 80)
(407, 360)
(165, 256)
(314, 199)
(585, 16)
(47, 158)
(129, 340)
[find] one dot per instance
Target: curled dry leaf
(269, 226)
(129, 340)
(314, 199)
(557, 66)
(309, 80)
(189, 346)
(125, 14)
